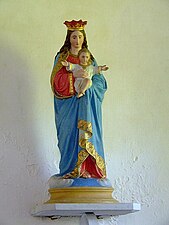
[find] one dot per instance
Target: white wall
(132, 38)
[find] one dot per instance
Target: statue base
(81, 195)
(80, 190)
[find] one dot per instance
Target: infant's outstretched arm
(65, 63)
(102, 68)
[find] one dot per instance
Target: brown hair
(67, 45)
(84, 50)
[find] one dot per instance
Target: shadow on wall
(19, 159)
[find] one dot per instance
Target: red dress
(63, 82)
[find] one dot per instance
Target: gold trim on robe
(71, 84)
(63, 56)
(85, 132)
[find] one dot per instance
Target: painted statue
(77, 107)
(82, 84)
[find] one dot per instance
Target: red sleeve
(64, 83)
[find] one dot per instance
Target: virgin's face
(76, 39)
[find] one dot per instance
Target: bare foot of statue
(80, 94)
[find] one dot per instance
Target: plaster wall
(132, 38)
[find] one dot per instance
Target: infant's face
(84, 58)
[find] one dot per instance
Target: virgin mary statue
(78, 120)
(82, 177)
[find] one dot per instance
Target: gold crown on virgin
(75, 25)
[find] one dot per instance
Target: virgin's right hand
(80, 73)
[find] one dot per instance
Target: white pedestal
(87, 212)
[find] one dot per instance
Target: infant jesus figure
(81, 84)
